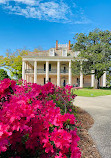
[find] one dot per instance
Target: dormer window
(64, 52)
(51, 52)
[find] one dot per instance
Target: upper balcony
(42, 71)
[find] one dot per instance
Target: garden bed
(86, 144)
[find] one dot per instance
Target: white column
(58, 73)
(23, 70)
(47, 71)
(92, 78)
(27, 74)
(35, 71)
(70, 73)
(81, 76)
(104, 79)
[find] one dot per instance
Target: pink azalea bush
(63, 98)
(32, 125)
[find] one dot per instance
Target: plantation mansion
(54, 66)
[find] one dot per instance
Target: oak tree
(94, 53)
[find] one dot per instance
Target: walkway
(100, 109)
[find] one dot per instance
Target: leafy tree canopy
(3, 74)
(95, 53)
(13, 62)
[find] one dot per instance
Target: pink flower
(31, 120)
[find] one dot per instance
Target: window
(64, 52)
(49, 79)
(51, 52)
(78, 82)
(64, 69)
(49, 67)
(44, 67)
(64, 83)
(44, 80)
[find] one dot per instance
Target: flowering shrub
(31, 124)
(63, 98)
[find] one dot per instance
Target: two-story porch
(41, 71)
(54, 69)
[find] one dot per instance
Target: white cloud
(52, 10)
(28, 2)
(3, 1)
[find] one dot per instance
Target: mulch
(86, 144)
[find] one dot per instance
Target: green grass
(91, 92)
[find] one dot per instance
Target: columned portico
(92, 78)
(58, 73)
(70, 74)
(47, 71)
(54, 65)
(104, 79)
(35, 71)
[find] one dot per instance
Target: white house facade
(54, 66)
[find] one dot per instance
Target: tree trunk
(95, 83)
(98, 83)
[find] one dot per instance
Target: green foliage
(38, 49)
(13, 62)
(95, 53)
(3, 74)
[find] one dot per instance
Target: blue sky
(39, 23)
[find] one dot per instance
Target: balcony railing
(64, 71)
(53, 71)
(44, 71)
(29, 71)
(41, 71)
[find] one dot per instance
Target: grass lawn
(91, 92)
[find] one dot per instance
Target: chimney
(56, 44)
(69, 45)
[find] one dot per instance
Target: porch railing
(29, 71)
(44, 71)
(64, 71)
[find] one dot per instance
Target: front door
(64, 83)
(64, 69)
(78, 82)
